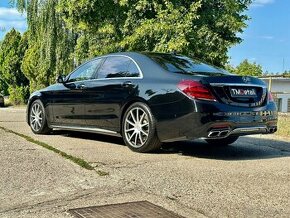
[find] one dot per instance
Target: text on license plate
(243, 92)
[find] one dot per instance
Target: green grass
(76, 160)
(283, 126)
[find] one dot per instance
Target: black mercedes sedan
(150, 98)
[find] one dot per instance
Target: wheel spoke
(129, 130)
(145, 133)
(137, 114)
(132, 136)
(131, 123)
(140, 137)
(144, 124)
(142, 117)
(33, 110)
(38, 123)
(136, 138)
(132, 115)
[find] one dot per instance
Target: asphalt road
(248, 179)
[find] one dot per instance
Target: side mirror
(61, 79)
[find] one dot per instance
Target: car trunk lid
(238, 90)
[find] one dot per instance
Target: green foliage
(12, 79)
(3, 87)
(18, 95)
(11, 55)
(64, 33)
(203, 28)
(286, 73)
(245, 68)
(50, 43)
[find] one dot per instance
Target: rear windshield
(185, 65)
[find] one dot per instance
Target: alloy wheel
(36, 117)
(136, 127)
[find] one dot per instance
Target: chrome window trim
(115, 78)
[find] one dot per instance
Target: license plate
(243, 92)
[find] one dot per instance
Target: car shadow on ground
(246, 148)
(90, 136)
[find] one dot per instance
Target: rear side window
(185, 65)
(118, 67)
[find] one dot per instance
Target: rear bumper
(200, 122)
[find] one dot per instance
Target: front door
(68, 101)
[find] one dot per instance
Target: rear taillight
(270, 96)
(195, 90)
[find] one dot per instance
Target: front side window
(118, 67)
(86, 71)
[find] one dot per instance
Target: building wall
(279, 86)
(281, 93)
(284, 102)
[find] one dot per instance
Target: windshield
(185, 65)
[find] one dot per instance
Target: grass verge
(76, 160)
(283, 125)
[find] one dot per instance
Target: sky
(266, 40)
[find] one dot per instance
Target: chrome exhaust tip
(218, 133)
(272, 129)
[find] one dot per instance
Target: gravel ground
(248, 179)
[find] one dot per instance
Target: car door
(116, 82)
(69, 100)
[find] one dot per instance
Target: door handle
(81, 86)
(127, 84)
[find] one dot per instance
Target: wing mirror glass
(61, 79)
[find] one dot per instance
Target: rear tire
(222, 142)
(37, 118)
(139, 129)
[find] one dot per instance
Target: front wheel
(222, 142)
(139, 130)
(37, 118)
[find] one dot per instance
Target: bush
(18, 95)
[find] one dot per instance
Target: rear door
(115, 83)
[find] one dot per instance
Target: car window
(185, 65)
(85, 71)
(133, 70)
(115, 67)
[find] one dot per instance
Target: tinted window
(133, 70)
(85, 71)
(118, 67)
(182, 64)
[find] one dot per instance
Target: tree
(245, 68)
(286, 73)
(64, 33)
(11, 54)
(50, 43)
(204, 28)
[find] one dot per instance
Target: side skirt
(86, 129)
